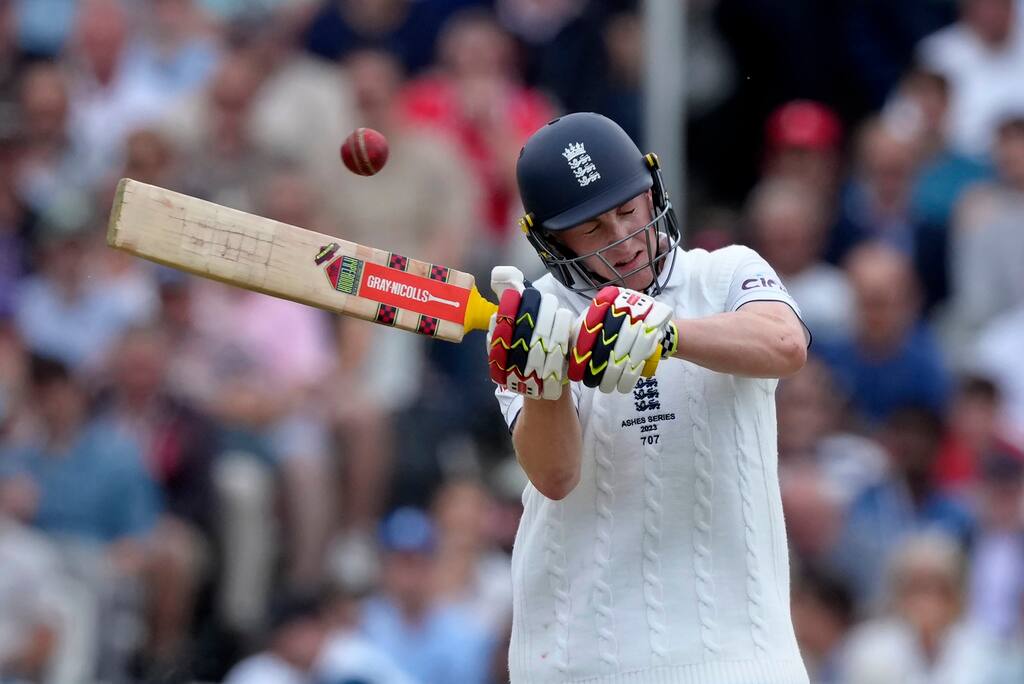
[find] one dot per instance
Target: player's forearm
(548, 443)
(744, 343)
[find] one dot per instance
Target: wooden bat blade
(294, 263)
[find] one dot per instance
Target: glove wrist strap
(670, 341)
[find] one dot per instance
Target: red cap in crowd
(803, 123)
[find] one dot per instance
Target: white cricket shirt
(668, 561)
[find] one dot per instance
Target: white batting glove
(613, 339)
(528, 338)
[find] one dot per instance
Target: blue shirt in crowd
(447, 646)
(881, 519)
(98, 490)
(912, 375)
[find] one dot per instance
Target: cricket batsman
(652, 548)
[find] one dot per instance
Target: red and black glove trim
(501, 339)
(604, 343)
(593, 323)
(522, 332)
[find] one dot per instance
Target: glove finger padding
(615, 337)
(499, 339)
(528, 338)
(522, 333)
(557, 345)
(588, 336)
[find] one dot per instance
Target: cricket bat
(294, 263)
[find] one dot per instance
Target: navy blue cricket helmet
(577, 167)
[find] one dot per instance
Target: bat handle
(652, 364)
(478, 311)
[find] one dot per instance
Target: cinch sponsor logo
(761, 281)
(398, 289)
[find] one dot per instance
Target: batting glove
(614, 337)
(528, 338)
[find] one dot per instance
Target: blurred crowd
(198, 482)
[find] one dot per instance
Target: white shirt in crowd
(985, 83)
(345, 657)
(668, 561)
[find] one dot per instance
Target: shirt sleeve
(754, 280)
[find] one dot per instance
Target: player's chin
(638, 279)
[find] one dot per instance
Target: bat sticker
(344, 273)
(326, 252)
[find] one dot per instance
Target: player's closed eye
(598, 225)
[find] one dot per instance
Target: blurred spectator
(475, 96)
(43, 630)
(814, 510)
(213, 131)
(296, 635)
(972, 431)
(996, 355)
(788, 224)
(621, 99)
(347, 655)
(304, 106)
(49, 165)
(41, 29)
(982, 56)
(996, 597)
(876, 205)
(537, 21)
(108, 97)
(174, 49)
(923, 637)
(210, 374)
(71, 449)
(905, 501)
(823, 615)
(879, 37)
(229, 12)
(802, 143)
(8, 63)
(150, 158)
(431, 640)
(892, 358)
(813, 430)
(15, 226)
(178, 448)
(595, 62)
(988, 241)
(104, 528)
(76, 289)
(920, 108)
(13, 382)
(471, 571)
(405, 28)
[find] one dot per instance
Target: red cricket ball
(365, 151)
